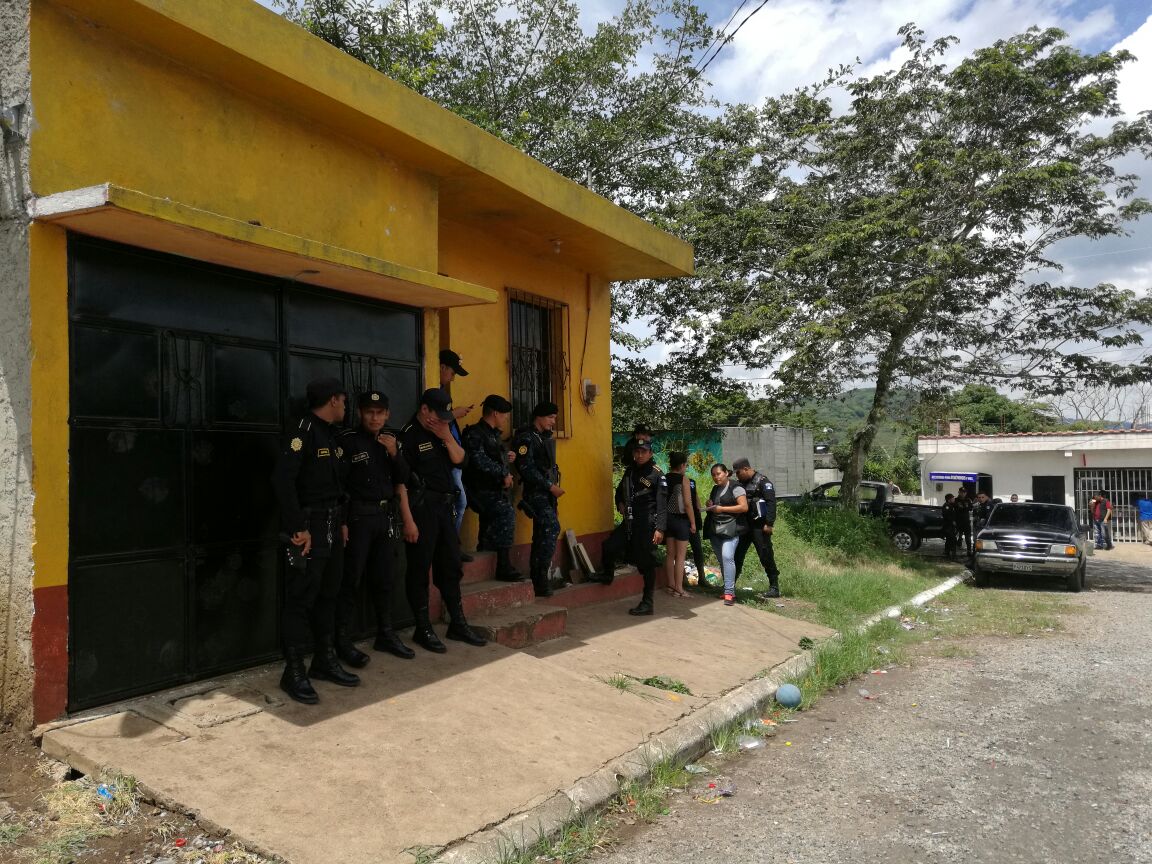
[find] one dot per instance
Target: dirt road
(1030, 749)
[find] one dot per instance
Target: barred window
(537, 356)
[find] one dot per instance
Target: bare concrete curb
(686, 740)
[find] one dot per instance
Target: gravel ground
(1035, 749)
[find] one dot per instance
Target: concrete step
(484, 598)
(481, 568)
(522, 626)
(627, 583)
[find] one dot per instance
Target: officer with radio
(643, 509)
(378, 518)
(431, 452)
(761, 521)
(308, 486)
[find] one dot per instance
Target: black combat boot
(459, 629)
(326, 666)
(295, 681)
(348, 652)
(644, 607)
(505, 572)
(540, 582)
(424, 636)
(387, 640)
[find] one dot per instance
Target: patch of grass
(583, 836)
(993, 612)
(723, 738)
(623, 683)
(83, 810)
(423, 854)
(838, 661)
(10, 832)
(663, 682)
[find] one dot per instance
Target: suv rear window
(1031, 515)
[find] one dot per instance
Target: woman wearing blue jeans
(726, 521)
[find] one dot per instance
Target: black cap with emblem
(438, 401)
(496, 402)
(545, 409)
(373, 399)
(451, 359)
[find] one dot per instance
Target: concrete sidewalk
(430, 751)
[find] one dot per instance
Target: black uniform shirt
(534, 460)
(951, 514)
(427, 457)
(307, 471)
(487, 464)
(760, 488)
(638, 489)
(371, 473)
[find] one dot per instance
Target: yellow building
(205, 207)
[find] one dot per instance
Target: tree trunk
(866, 435)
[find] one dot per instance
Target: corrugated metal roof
(1056, 434)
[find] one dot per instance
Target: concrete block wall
(16, 531)
(782, 453)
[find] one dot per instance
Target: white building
(1051, 467)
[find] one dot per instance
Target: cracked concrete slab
(430, 751)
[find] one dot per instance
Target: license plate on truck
(1023, 568)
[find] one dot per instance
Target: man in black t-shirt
(761, 523)
(431, 453)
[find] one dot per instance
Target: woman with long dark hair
(726, 521)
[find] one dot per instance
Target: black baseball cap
(642, 445)
(373, 399)
(321, 390)
(451, 359)
(496, 402)
(439, 402)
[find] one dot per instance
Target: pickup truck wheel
(981, 578)
(1075, 581)
(905, 538)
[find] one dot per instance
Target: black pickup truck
(909, 524)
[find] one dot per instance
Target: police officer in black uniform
(951, 525)
(488, 481)
(536, 462)
(308, 486)
(431, 452)
(761, 521)
(376, 478)
(644, 512)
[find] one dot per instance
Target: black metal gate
(182, 376)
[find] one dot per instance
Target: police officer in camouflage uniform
(761, 523)
(541, 488)
(488, 481)
(307, 481)
(375, 477)
(639, 501)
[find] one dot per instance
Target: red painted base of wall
(50, 653)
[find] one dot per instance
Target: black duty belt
(439, 497)
(363, 508)
(320, 507)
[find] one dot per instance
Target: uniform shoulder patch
(339, 452)
(522, 449)
(360, 457)
(297, 444)
(425, 446)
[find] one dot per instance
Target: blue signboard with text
(954, 476)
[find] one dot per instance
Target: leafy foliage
(847, 531)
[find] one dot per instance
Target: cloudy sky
(788, 43)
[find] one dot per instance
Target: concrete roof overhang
(483, 181)
(163, 225)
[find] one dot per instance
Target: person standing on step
(643, 527)
(307, 482)
(488, 481)
(376, 478)
(761, 523)
(431, 452)
(450, 368)
(540, 478)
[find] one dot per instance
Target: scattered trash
(691, 577)
(881, 649)
(879, 672)
(106, 792)
(695, 769)
(716, 791)
(749, 742)
(864, 693)
(787, 743)
(180, 842)
(779, 605)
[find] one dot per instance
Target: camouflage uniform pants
(545, 530)
(497, 518)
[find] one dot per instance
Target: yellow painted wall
(48, 301)
(109, 111)
(480, 335)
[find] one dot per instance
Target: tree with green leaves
(615, 109)
(898, 228)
